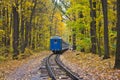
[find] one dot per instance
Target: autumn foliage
(90, 66)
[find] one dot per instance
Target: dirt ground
(90, 66)
(27, 69)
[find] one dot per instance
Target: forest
(90, 26)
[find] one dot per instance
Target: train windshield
(55, 41)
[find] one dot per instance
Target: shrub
(2, 58)
(26, 54)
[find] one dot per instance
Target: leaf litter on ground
(90, 66)
(9, 66)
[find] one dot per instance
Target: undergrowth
(26, 54)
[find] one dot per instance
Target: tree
(15, 31)
(99, 28)
(93, 25)
(74, 39)
(28, 27)
(117, 56)
(106, 38)
(24, 24)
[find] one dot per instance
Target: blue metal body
(56, 43)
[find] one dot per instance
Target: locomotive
(57, 45)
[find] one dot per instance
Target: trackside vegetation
(89, 26)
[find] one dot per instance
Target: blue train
(57, 45)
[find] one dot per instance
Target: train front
(55, 44)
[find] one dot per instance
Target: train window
(55, 41)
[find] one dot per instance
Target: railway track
(57, 70)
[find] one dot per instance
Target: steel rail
(50, 72)
(69, 73)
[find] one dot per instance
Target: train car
(65, 46)
(57, 45)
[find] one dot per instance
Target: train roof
(56, 37)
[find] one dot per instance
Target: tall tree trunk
(4, 26)
(11, 32)
(99, 40)
(28, 28)
(15, 32)
(99, 34)
(8, 30)
(93, 26)
(106, 38)
(30, 23)
(22, 34)
(117, 57)
(74, 39)
(26, 35)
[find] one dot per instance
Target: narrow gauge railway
(57, 71)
